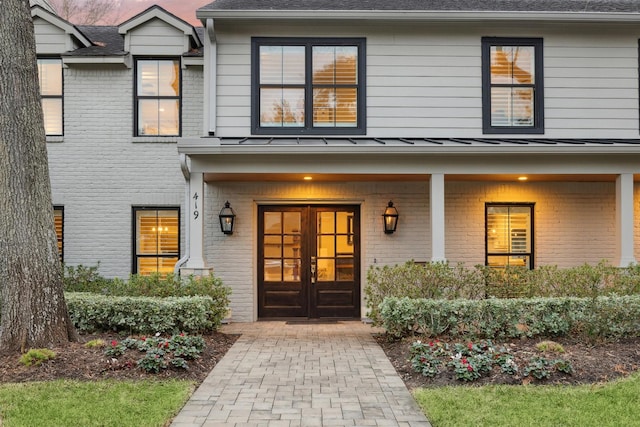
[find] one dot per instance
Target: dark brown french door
(309, 261)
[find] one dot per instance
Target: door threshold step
(311, 322)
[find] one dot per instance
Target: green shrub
(84, 279)
(442, 281)
(436, 280)
(92, 312)
(36, 356)
(87, 279)
(590, 318)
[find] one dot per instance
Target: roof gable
(72, 38)
(157, 12)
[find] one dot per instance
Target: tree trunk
(33, 312)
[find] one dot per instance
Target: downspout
(187, 176)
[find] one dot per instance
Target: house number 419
(196, 213)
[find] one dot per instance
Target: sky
(184, 9)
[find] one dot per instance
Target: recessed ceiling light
(522, 178)
(308, 178)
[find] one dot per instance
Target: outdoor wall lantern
(390, 218)
(227, 217)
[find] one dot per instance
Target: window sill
(155, 139)
(59, 138)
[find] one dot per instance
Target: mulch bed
(592, 362)
(76, 362)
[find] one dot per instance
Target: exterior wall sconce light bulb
(390, 218)
(227, 217)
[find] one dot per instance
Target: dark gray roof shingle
(622, 6)
(106, 41)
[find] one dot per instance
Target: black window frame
(538, 86)
(137, 97)
(308, 43)
(531, 255)
(60, 97)
(60, 238)
(134, 235)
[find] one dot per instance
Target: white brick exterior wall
(574, 224)
(100, 170)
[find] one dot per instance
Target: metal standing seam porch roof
(461, 146)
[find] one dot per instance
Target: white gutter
(417, 15)
(187, 176)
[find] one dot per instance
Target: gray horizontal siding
(426, 80)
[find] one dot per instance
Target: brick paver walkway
(302, 375)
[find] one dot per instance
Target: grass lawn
(100, 403)
(613, 404)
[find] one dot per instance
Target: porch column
(624, 220)
(436, 195)
(196, 222)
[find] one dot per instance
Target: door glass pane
(292, 222)
(272, 246)
(273, 270)
(344, 268)
(326, 223)
(272, 223)
(344, 245)
(326, 270)
(291, 270)
(326, 246)
(292, 246)
(345, 222)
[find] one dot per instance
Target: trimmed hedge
(440, 280)
(609, 317)
(146, 315)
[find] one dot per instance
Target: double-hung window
(156, 246)
(308, 86)
(50, 79)
(509, 234)
(157, 97)
(512, 86)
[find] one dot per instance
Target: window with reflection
(509, 235)
(58, 221)
(157, 97)
(50, 80)
(308, 86)
(156, 245)
(512, 88)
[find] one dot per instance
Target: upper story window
(157, 97)
(50, 79)
(509, 234)
(512, 86)
(308, 86)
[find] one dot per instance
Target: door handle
(313, 269)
